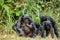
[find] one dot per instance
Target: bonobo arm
(56, 30)
(42, 29)
(34, 29)
(51, 30)
(55, 27)
(16, 26)
(42, 32)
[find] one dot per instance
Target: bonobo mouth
(26, 30)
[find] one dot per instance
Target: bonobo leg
(56, 30)
(47, 32)
(42, 33)
(49, 27)
(51, 31)
(42, 30)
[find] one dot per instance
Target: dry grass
(16, 37)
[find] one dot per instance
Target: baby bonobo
(24, 26)
(49, 25)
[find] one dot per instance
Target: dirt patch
(16, 37)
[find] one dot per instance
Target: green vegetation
(10, 10)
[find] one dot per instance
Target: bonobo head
(26, 18)
(22, 26)
(42, 17)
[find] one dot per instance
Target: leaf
(1, 2)
(6, 8)
(37, 19)
(9, 0)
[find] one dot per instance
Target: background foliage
(10, 10)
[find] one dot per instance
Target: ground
(13, 36)
(16, 37)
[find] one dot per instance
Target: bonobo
(24, 26)
(38, 28)
(48, 24)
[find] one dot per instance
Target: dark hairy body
(49, 25)
(24, 26)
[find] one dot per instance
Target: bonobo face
(25, 28)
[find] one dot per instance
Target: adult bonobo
(24, 26)
(48, 24)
